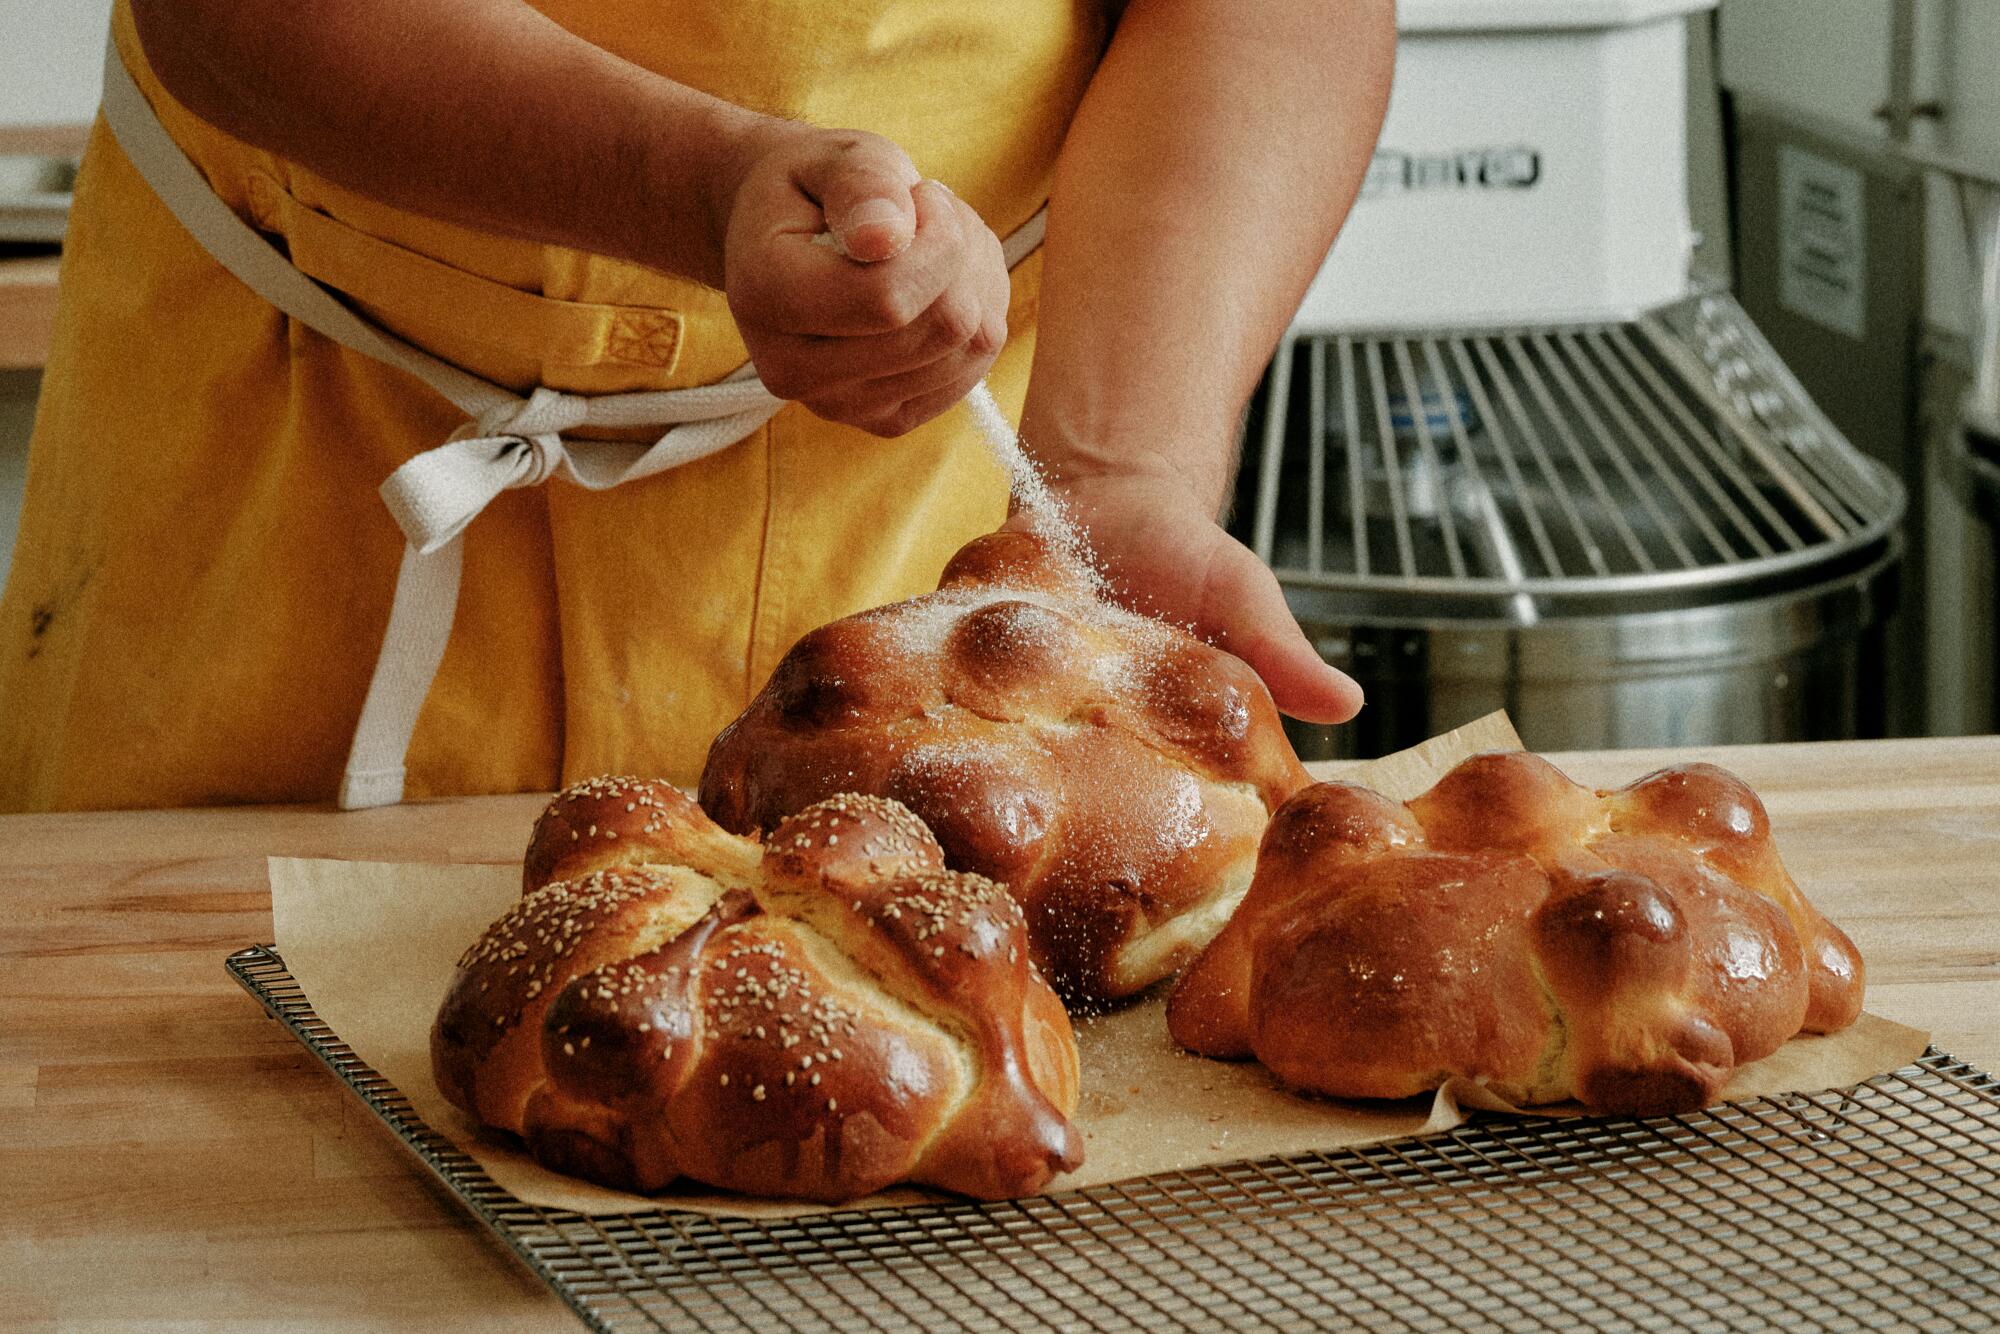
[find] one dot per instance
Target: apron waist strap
(508, 441)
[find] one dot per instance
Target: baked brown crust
(1113, 771)
(1626, 948)
(614, 821)
(821, 1016)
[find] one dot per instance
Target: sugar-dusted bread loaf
(819, 1016)
(1627, 949)
(1114, 772)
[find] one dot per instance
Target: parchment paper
(373, 945)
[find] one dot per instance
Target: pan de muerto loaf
(821, 1016)
(1114, 772)
(1627, 949)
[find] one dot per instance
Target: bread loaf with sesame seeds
(818, 1016)
(603, 824)
(1113, 771)
(1627, 949)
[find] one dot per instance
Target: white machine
(1532, 169)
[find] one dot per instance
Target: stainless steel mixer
(1625, 534)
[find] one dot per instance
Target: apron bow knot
(532, 428)
(508, 441)
(531, 431)
(518, 442)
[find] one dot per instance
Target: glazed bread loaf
(820, 1016)
(1627, 949)
(1114, 772)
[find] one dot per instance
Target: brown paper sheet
(373, 944)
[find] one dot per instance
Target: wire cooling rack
(1869, 1209)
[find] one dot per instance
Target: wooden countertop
(169, 1154)
(27, 311)
(28, 285)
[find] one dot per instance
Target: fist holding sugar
(891, 324)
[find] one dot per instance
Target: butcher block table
(173, 1157)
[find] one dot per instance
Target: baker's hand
(1165, 555)
(893, 331)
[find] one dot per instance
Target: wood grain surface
(44, 140)
(27, 311)
(169, 1156)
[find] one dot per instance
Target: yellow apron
(204, 569)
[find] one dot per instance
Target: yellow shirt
(204, 569)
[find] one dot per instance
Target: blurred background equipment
(1891, 103)
(50, 57)
(1576, 483)
(1629, 400)
(1533, 168)
(1625, 534)
(1970, 455)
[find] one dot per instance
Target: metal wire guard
(1852, 1210)
(1669, 457)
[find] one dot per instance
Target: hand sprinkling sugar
(1044, 511)
(865, 293)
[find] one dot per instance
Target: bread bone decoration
(818, 1017)
(1627, 949)
(1114, 772)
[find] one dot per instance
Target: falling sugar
(1049, 518)
(1047, 515)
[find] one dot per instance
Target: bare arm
(488, 114)
(1213, 159)
(481, 112)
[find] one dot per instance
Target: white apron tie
(509, 442)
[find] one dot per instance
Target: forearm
(481, 112)
(1211, 163)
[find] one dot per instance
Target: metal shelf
(1875, 1207)
(1669, 462)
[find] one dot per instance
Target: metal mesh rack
(1874, 1208)
(1673, 456)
